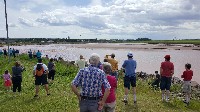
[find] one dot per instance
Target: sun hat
(130, 54)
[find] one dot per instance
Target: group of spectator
(98, 82)
(11, 52)
(34, 54)
(41, 73)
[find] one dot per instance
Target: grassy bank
(62, 98)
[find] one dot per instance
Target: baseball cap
(167, 56)
(129, 54)
(113, 55)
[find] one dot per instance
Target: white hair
(94, 59)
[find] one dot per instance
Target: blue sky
(102, 19)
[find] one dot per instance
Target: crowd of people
(43, 74)
(98, 82)
(11, 52)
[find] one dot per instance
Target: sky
(101, 19)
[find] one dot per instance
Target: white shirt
(81, 63)
(43, 65)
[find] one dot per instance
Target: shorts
(129, 81)
(165, 83)
(41, 80)
(7, 83)
(187, 86)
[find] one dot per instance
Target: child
(187, 76)
(156, 83)
(7, 80)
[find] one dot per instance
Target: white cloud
(26, 22)
(109, 17)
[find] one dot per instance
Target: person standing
(30, 55)
(52, 71)
(7, 80)
(17, 76)
(34, 54)
(111, 100)
(91, 79)
(114, 64)
(166, 72)
(13, 52)
(40, 72)
(81, 62)
(130, 77)
(187, 77)
(39, 55)
(5, 53)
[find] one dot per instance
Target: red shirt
(187, 75)
(167, 68)
(113, 83)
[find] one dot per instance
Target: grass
(62, 98)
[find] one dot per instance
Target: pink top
(6, 77)
(113, 83)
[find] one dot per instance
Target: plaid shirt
(91, 79)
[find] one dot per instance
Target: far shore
(138, 46)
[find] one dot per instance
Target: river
(148, 60)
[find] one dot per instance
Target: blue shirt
(130, 66)
(39, 54)
(91, 79)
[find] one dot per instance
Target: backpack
(39, 70)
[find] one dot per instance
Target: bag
(39, 70)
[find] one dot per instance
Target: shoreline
(139, 46)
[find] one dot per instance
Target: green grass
(62, 98)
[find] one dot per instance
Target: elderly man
(91, 79)
(114, 64)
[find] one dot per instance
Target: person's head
(51, 60)
(130, 55)
(112, 55)
(187, 66)
(94, 59)
(39, 60)
(167, 57)
(107, 68)
(81, 56)
(6, 71)
(38, 50)
(17, 63)
(156, 72)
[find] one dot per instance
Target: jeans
(89, 105)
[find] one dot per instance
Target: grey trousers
(88, 105)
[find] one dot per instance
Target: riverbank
(139, 46)
(62, 99)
